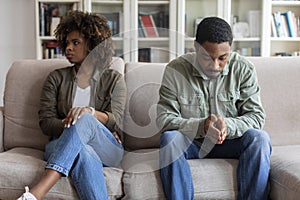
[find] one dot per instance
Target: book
(290, 18)
(140, 29)
(161, 20)
(148, 26)
(285, 25)
(54, 22)
(144, 55)
(273, 27)
(278, 24)
(51, 50)
(42, 8)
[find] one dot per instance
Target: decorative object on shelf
(54, 22)
(240, 30)
(254, 20)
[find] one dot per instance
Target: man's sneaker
(27, 195)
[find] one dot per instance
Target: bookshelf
(136, 42)
(247, 13)
(256, 37)
(175, 26)
(235, 12)
(48, 15)
(124, 18)
(160, 47)
(276, 44)
(117, 12)
(188, 12)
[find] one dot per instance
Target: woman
(81, 109)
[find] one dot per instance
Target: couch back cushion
(143, 82)
(279, 78)
(22, 91)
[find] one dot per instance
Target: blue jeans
(81, 152)
(253, 150)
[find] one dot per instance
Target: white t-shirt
(82, 97)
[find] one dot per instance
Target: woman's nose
(69, 47)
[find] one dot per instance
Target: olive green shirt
(188, 97)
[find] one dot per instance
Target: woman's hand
(74, 114)
(115, 134)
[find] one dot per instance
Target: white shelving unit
(181, 29)
(250, 45)
(122, 38)
(190, 10)
(43, 38)
(275, 45)
(129, 42)
(164, 47)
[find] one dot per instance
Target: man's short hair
(215, 30)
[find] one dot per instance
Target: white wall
(17, 35)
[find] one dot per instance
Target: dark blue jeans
(253, 150)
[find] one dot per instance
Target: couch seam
(283, 185)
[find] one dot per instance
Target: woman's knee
(85, 118)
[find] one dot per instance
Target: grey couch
(22, 143)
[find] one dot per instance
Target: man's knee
(257, 134)
(259, 138)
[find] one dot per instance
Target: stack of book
(285, 24)
(50, 15)
(153, 24)
(51, 50)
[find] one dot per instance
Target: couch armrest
(1, 129)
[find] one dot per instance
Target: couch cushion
(23, 86)
(24, 166)
(1, 129)
(141, 178)
(285, 172)
(143, 81)
(213, 178)
(280, 86)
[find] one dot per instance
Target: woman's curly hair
(93, 27)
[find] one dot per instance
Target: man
(210, 107)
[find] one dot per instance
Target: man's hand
(215, 128)
(74, 114)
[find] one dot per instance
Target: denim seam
(57, 168)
